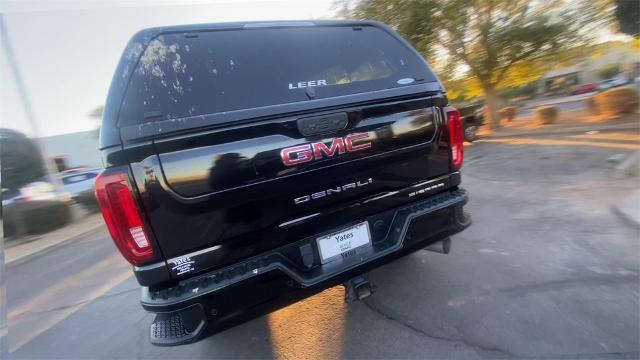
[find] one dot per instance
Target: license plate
(344, 243)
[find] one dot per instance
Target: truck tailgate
(229, 192)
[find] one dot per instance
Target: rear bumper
(228, 296)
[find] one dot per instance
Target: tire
(470, 132)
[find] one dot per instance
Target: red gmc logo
(315, 151)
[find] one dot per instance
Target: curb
(628, 167)
(628, 208)
(29, 255)
(574, 130)
(562, 100)
(625, 217)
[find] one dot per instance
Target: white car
(611, 83)
(76, 182)
(41, 190)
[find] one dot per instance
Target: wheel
(470, 132)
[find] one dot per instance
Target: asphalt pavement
(547, 270)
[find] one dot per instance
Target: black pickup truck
(250, 165)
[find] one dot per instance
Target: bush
(35, 217)
(88, 200)
(20, 158)
(617, 101)
(9, 225)
(590, 104)
(42, 219)
(508, 113)
(609, 71)
(545, 115)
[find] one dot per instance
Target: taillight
(456, 137)
(122, 217)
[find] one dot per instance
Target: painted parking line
(43, 301)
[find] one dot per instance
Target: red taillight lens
(456, 137)
(123, 220)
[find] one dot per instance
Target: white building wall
(78, 149)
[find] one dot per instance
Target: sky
(67, 51)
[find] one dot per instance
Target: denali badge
(329, 192)
(304, 153)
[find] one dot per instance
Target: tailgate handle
(322, 124)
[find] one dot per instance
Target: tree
(485, 39)
(520, 78)
(20, 159)
(628, 15)
(609, 71)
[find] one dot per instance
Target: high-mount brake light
(456, 137)
(122, 217)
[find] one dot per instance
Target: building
(76, 149)
(587, 71)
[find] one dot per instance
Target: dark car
(250, 165)
(472, 118)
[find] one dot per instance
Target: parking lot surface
(547, 270)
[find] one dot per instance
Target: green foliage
(520, 81)
(628, 15)
(20, 159)
(413, 19)
(491, 36)
(487, 39)
(524, 91)
(35, 217)
(46, 218)
(609, 71)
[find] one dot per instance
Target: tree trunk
(491, 107)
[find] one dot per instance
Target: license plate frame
(331, 247)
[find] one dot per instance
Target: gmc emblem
(315, 151)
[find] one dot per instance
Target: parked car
(611, 83)
(41, 190)
(238, 183)
(472, 118)
(584, 89)
(78, 181)
(35, 208)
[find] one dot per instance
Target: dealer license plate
(344, 243)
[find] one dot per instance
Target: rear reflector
(456, 137)
(122, 217)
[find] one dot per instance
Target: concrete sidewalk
(558, 100)
(629, 208)
(560, 129)
(19, 249)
